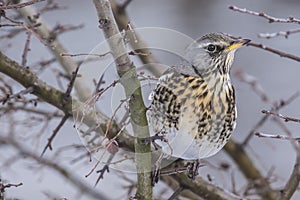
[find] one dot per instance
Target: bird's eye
(211, 47)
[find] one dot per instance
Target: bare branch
(287, 119)
(26, 49)
(85, 54)
(57, 49)
(268, 17)
(54, 133)
(250, 171)
(135, 40)
(17, 95)
(83, 187)
(201, 187)
(71, 85)
(275, 107)
(283, 137)
(132, 87)
(176, 193)
(104, 169)
(4, 186)
(293, 181)
(20, 5)
(280, 33)
(253, 82)
(278, 52)
(59, 29)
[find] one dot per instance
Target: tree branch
(131, 84)
(286, 119)
(135, 40)
(56, 48)
(202, 188)
(29, 80)
(278, 52)
(264, 15)
(20, 5)
(247, 167)
(83, 187)
(293, 182)
(285, 34)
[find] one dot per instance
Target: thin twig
(283, 126)
(278, 52)
(99, 83)
(69, 175)
(275, 107)
(280, 33)
(135, 40)
(67, 63)
(85, 54)
(8, 25)
(54, 133)
(20, 5)
(105, 168)
(254, 129)
(59, 29)
(264, 15)
(176, 193)
(287, 119)
(3, 186)
(37, 35)
(51, 5)
(278, 136)
(253, 82)
(111, 121)
(26, 49)
(275, 51)
(71, 85)
(17, 95)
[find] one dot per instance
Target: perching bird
(193, 105)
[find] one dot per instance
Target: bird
(193, 105)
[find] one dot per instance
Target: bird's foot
(192, 169)
(155, 174)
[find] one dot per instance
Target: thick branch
(131, 84)
(135, 40)
(25, 77)
(293, 181)
(238, 154)
(202, 188)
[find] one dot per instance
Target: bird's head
(213, 52)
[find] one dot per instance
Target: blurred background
(277, 76)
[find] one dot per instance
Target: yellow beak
(237, 44)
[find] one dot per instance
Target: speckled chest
(203, 108)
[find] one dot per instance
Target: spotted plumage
(193, 105)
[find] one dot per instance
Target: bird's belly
(185, 143)
(199, 137)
